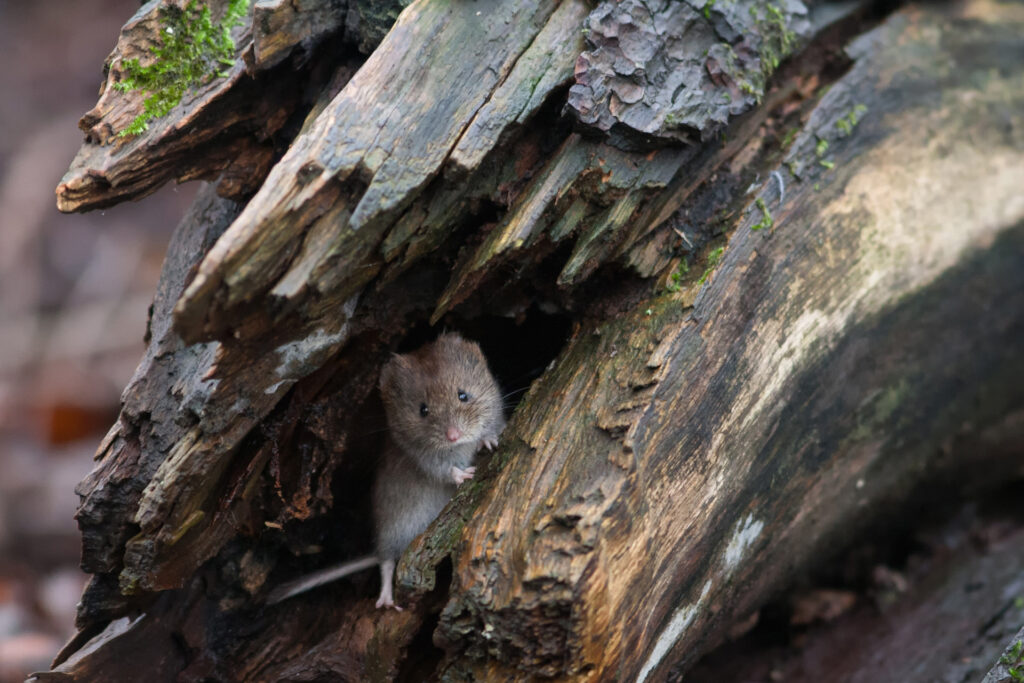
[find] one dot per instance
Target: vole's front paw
(490, 442)
(459, 475)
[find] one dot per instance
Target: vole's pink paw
(386, 601)
(491, 442)
(460, 476)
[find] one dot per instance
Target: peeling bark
(678, 71)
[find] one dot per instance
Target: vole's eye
(463, 396)
(423, 410)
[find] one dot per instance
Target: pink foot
(459, 475)
(387, 575)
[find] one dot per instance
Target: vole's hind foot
(387, 576)
(388, 601)
(460, 476)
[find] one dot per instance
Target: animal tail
(310, 581)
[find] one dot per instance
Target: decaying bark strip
(708, 477)
(691, 447)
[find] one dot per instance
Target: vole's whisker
(515, 391)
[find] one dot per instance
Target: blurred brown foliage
(74, 294)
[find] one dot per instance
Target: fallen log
(766, 345)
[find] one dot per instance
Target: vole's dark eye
(463, 396)
(423, 410)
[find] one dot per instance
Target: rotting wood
(944, 616)
(269, 306)
(384, 137)
(676, 71)
(224, 129)
(618, 551)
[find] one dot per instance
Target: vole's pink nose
(453, 434)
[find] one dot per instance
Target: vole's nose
(453, 434)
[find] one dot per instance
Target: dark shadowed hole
(517, 349)
(422, 656)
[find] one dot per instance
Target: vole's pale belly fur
(406, 499)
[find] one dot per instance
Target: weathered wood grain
(676, 466)
(944, 616)
(367, 157)
(224, 129)
(324, 276)
(279, 25)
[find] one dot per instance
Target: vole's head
(441, 396)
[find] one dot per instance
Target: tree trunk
(757, 306)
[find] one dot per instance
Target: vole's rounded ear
(389, 374)
(456, 342)
(447, 338)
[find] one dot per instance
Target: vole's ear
(455, 342)
(396, 367)
(447, 338)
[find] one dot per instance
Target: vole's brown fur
(442, 404)
(422, 462)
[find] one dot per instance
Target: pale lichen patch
(673, 631)
(746, 532)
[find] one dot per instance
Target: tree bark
(786, 299)
(945, 616)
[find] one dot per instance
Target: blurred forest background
(74, 292)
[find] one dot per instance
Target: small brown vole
(442, 405)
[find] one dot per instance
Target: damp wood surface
(850, 309)
(705, 454)
(949, 613)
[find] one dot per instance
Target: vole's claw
(460, 476)
(386, 603)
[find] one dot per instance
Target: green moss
(766, 216)
(713, 258)
(877, 415)
(675, 280)
(790, 136)
(1013, 656)
(1013, 659)
(819, 150)
(707, 8)
(847, 123)
(778, 41)
(193, 50)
